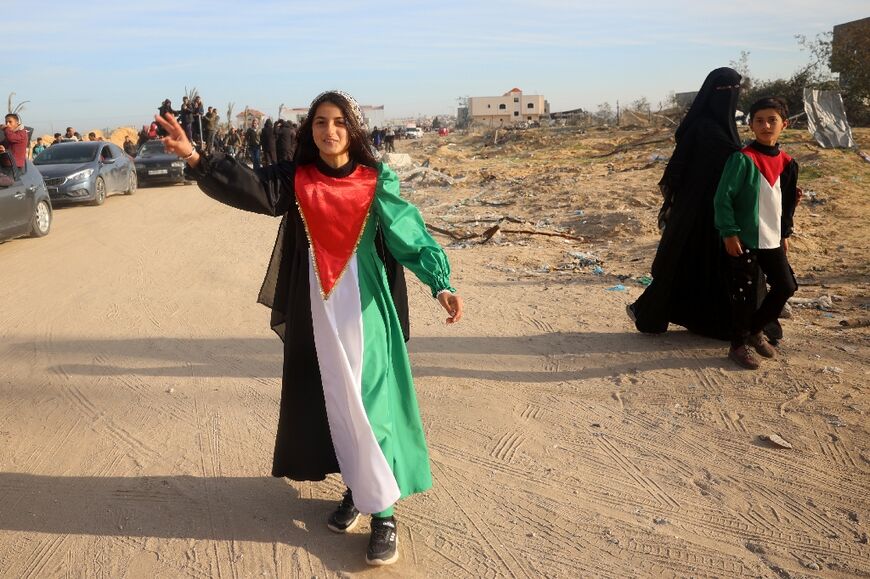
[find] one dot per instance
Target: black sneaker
(384, 542)
(345, 516)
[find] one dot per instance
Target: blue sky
(99, 64)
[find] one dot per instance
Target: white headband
(354, 106)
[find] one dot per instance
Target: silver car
(86, 172)
(25, 208)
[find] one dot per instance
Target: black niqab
(716, 102)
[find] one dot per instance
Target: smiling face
(767, 125)
(330, 134)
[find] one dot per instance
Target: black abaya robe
(690, 273)
(303, 444)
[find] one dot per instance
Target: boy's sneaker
(384, 542)
(345, 516)
(743, 357)
(761, 346)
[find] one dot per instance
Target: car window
(152, 148)
(8, 172)
(67, 153)
(106, 153)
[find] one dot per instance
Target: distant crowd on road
(268, 145)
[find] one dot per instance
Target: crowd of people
(15, 137)
(265, 146)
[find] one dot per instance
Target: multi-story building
(512, 107)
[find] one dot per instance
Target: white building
(511, 107)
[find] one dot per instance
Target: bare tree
(741, 65)
(230, 107)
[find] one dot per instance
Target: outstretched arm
(268, 191)
(407, 239)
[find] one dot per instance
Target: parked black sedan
(155, 165)
(86, 171)
(25, 207)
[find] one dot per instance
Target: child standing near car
(754, 213)
(14, 137)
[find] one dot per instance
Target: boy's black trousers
(747, 317)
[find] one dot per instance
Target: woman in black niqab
(689, 272)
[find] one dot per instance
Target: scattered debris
(426, 176)
(639, 143)
(832, 370)
(820, 303)
(660, 521)
(855, 322)
(584, 259)
(776, 440)
(616, 288)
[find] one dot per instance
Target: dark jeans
(255, 156)
(746, 316)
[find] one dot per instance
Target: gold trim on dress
(313, 256)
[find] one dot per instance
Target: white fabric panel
(769, 214)
(338, 336)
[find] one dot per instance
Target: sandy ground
(139, 385)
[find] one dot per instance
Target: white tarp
(826, 119)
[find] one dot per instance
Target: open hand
(453, 304)
(176, 140)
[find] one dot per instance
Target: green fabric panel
(406, 235)
(387, 386)
(385, 513)
(735, 204)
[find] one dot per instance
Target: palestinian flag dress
(347, 402)
(756, 196)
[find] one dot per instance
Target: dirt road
(139, 389)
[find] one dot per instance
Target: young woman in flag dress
(347, 403)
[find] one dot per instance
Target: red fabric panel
(770, 167)
(334, 211)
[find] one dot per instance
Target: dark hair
(14, 116)
(358, 142)
(776, 103)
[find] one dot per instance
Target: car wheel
(100, 187)
(41, 223)
(134, 182)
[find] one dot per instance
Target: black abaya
(689, 272)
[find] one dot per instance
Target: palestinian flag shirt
(756, 196)
(347, 401)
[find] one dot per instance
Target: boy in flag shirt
(754, 212)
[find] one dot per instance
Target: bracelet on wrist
(192, 151)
